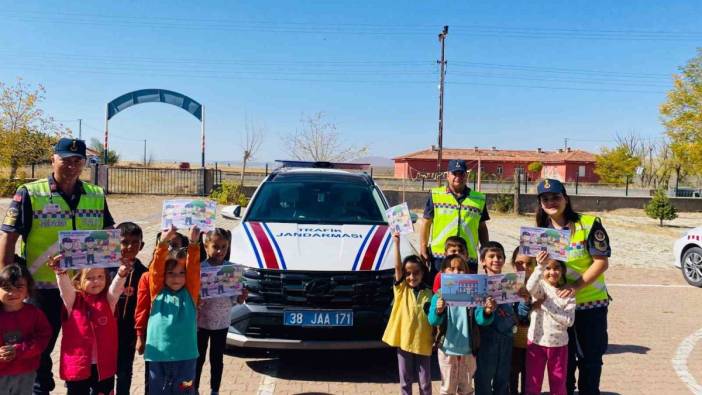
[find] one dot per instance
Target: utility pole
(80, 129)
(144, 152)
(442, 63)
(566, 144)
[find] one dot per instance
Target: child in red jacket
(89, 341)
(24, 332)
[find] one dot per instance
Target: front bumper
(260, 326)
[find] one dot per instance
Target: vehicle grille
(364, 290)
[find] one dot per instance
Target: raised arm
(398, 259)
(192, 271)
(116, 289)
(157, 269)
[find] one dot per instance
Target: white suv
(318, 253)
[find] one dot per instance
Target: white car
(319, 258)
(688, 256)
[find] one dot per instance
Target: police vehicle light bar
(324, 165)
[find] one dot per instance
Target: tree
(615, 165)
(682, 117)
(319, 140)
(27, 133)
(112, 156)
(661, 208)
(251, 143)
(535, 167)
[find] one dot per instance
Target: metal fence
(131, 180)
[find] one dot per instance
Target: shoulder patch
(599, 235)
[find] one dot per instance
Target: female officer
(588, 259)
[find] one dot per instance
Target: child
(551, 316)
(495, 353)
(454, 245)
(213, 316)
(88, 360)
(143, 306)
(131, 242)
(171, 335)
(24, 329)
(408, 327)
(521, 263)
(457, 340)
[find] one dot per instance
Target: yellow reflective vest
(50, 215)
(579, 260)
(456, 219)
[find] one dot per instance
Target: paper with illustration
(471, 290)
(554, 241)
(399, 219)
(221, 281)
(89, 248)
(184, 213)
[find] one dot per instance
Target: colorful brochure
(399, 219)
(554, 241)
(184, 213)
(221, 281)
(471, 290)
(89, 248)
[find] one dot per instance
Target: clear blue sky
(521, 75)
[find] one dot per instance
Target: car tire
(691, 265)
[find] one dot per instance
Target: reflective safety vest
(456, 219)
(579, 260)
(50, 215)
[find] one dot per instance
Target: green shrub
(229, 193)
(9, 187)
(503, 203)
(661, 208)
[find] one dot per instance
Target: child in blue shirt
(457, 337)
(495, 353)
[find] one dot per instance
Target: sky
(520, 75)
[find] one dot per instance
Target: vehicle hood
(290, 246)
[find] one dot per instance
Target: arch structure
(156, 96)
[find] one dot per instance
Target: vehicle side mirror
(232, 212)
(413, 217)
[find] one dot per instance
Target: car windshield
(318, 202)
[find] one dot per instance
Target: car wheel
(692, 266)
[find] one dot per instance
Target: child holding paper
(454, 245)
(457, 336)
(548, 331)
(495, 353)
(88, 360)
(408, 328)
(213, 316)
(171, 335)
(526, 264)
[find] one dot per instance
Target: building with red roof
(564, 164)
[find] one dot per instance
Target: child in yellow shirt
(408, 328)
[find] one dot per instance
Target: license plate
(318, 317)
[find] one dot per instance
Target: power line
(502, 32)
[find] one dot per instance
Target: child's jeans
(540, 357)
(166, 378)
(494, 362)
(20, 384)
(456, 373)
(414, 366)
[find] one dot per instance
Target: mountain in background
(375, 161)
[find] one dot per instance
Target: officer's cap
(457, 165)
(550, 185)
(67, 147)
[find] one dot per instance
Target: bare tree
(319, 140)
(250, 144)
